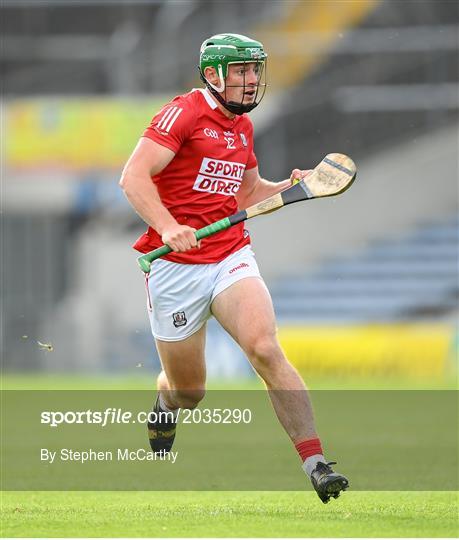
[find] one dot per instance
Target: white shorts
(179, 296)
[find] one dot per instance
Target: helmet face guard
(220, 52)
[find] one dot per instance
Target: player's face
(242, 82)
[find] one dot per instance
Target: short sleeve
(172, 125)
(252, 159)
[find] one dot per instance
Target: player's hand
(180, 238)
(298, 174)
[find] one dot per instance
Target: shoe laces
(325, 467)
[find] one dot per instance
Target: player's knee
(264, 351)
(188, 398)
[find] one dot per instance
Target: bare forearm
(144, 198)
(263, 190)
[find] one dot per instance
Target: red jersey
(199, 185)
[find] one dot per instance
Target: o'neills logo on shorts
(238, 267)
(218, 176)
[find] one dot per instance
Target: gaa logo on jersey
(179, 319)
(219, 176)
(211, 133)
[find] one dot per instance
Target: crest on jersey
(243, 139)
(179, 319)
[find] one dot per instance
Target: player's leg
(178, 306)
(182, 380)
(254, 329)
(181, 385)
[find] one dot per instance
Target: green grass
(224, 514)
(17, 381)
(230, 514)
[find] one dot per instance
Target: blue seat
(389, 280)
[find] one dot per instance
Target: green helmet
(219, 52)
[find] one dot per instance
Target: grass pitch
(222, 514)
(228, 514)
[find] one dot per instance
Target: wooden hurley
(333, 175)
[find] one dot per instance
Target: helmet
(223, 49)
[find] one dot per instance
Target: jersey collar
(210, 100)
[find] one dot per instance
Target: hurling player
(194, 165)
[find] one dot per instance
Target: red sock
(308, 448)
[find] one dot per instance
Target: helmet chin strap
(236, 108)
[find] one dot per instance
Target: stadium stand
(389, 79)
(113, 47)
(387, 83)
(411, 277)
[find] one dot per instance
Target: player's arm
(148, 159)
(255, 189)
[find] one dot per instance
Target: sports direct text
(218, 176)
(112, 415)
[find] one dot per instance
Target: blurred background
(365, 284)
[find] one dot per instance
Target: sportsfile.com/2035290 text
(113, 415)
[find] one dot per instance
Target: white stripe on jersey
(166, 117)
(173, 119)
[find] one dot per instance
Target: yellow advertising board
(413, 350)
(75, 133)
